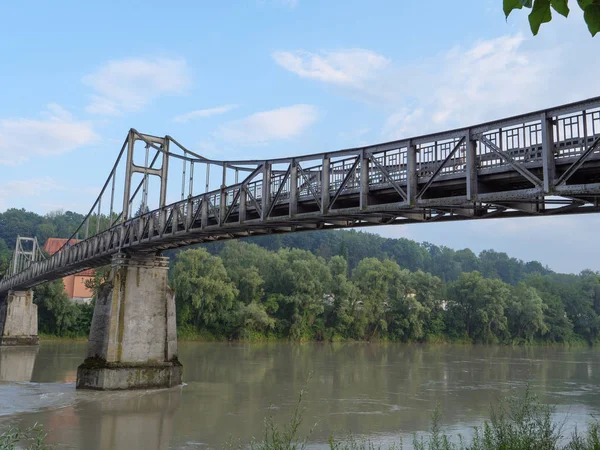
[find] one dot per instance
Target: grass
(32, 438)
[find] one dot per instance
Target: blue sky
(266, 78)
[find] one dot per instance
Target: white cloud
(487, 80)
(202, 113)
(352, 67)
(130, 84)
(494, 78)
(491, 79)
(58, 132)
(402, 123)
(17, 190)
(276, 124)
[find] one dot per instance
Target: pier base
(18, 319)
(133, 337)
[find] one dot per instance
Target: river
(382, 392)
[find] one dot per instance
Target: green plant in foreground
(276, 438)
(518, 423)
(33, 437)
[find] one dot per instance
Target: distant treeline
(334, 285)
(245, 291)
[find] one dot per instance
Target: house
(74, 284)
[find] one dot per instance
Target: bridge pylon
(18, 313)
(133, 337)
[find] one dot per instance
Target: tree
(383, 289)
(101, 276)
(541, 11)
(5, 255)
(343, 295)
(477, 306)
(204, 292)
(429, 291)
(56, 313)
(242, 262)
(525, 313)
(560, 327)
(253, 318)
(302, 284)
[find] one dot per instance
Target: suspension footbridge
(541, 163)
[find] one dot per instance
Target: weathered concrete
(18, 319)
(133, 337)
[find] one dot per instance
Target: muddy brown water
(382, 392)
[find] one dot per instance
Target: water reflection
(380, 390)
(110, 420)
(135, 421)
(16, 363)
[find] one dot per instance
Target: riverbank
(208, 337)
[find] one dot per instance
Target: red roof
(53, 245)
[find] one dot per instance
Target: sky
(272, 78)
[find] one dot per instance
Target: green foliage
(519, 423)
(541, 11)
(476, 305)
(204, 292)
(57, 314)
(286, 438)
(283, 293)
(31, 438)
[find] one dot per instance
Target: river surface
(382, 392)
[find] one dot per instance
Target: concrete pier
(133, 337)
(18, 319)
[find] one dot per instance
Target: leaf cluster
(541, 11)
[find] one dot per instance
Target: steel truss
(538, 164)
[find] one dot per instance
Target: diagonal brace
(519, 168)
(280, 190)
(577, 164)
(233, 202)
(440, 167)
(309, 185)
(256, 205)
(344, 182)
(387, 175)
(253, 174)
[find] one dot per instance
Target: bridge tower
(18, 313)
(133, 337)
